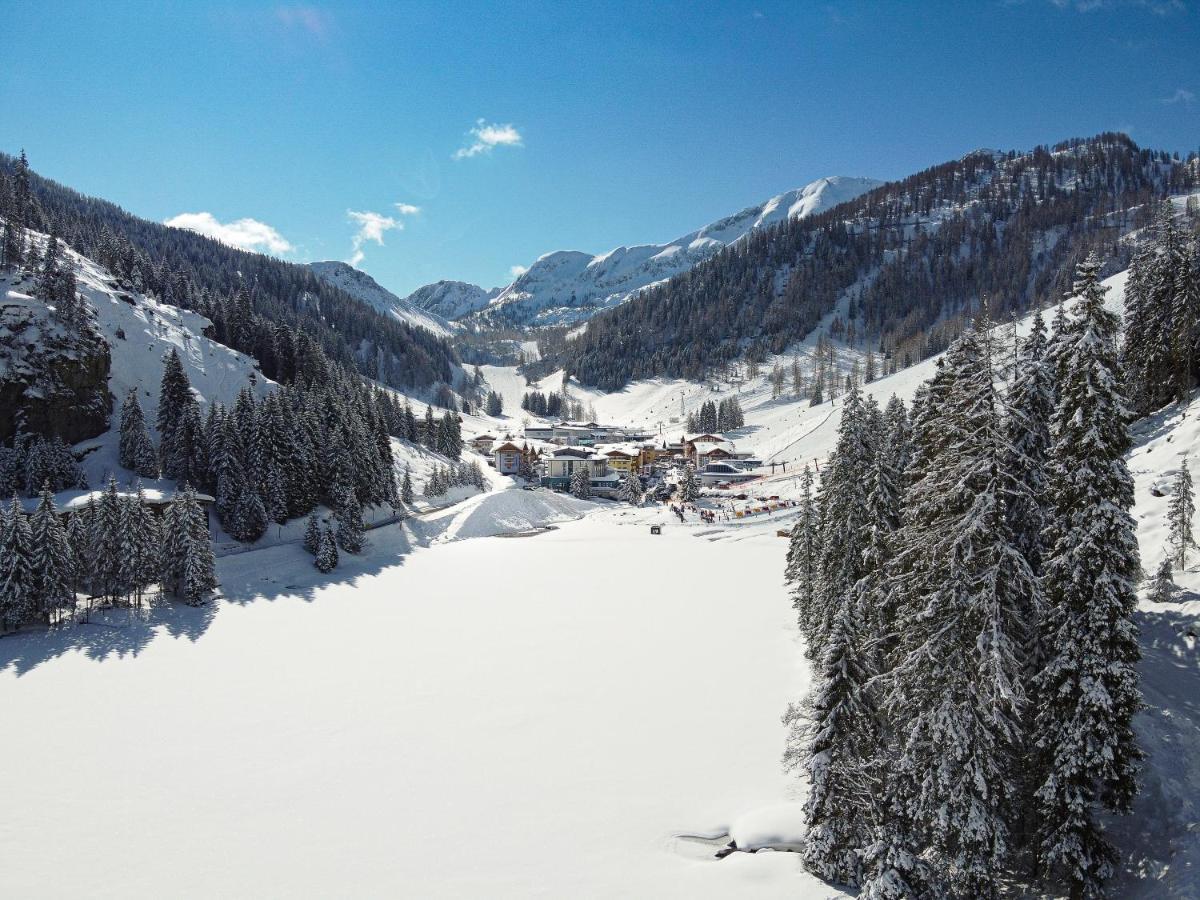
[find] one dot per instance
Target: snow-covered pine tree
(249, 517)
(350, 526)
(429, 432)
(1159, 333)
(79, 538)
(312, 534)
(18, 581)
(845, 485)
(1162, 587)
(326, 559)
(173, 550)
(581, 483)
(136, 449)
(631, 489)
(804, 551)
(956, 689)
(1029, 406)
(108, 531)
(52, 562)
(689, 484)
(835, 744)
(175, 395)
(872, 593)
(140, 555)
(1180, 512)
(199, 577)
(406, 486)
(1088, 690)
(276, 501)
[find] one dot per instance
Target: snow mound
(780, 826)
(513, 512)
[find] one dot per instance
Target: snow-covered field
(498, 717)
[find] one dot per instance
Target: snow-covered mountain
(568, 286)
(451, 299)
(363, 287)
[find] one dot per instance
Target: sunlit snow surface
(498, 717)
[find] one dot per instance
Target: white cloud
(309, 19)
(1180, 96)
(372, 225)
(486, 136)
(517, 271)
(1157, 7)
(246, 234)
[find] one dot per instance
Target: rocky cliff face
(52, 382)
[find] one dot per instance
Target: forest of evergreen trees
(114, 551)
(965, 577)
(909, 257)
(261, 306)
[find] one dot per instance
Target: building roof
(484, 437)
(705, 447)
(507, 447)
(77, 499)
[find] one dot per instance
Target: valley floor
(499, 717)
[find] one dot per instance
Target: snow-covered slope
(363, 287)
(569, 286)
(451, 299)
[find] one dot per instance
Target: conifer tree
(956, 688)
(803, 554)
(18, 582)
(406, 487)
(1088, 689)
(79, 539)
(52, 562)
(326, 559)
(136, 449)
(199, 577)
(175, 395)
(108, 534)
(1162, 587)
(581, 483)
(1030, 404)
(631, 489)
(350, 526)
(837, 750)
(312, 534)
(1180, 512)
(142, 543)
(689, 484)
(846, 529)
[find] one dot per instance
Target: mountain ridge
(570, 286)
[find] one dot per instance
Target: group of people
(706, 515)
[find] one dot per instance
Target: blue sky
(439, 140)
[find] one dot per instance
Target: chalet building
(701, 449)
(621, 460)
(482, 443)
(507, 458)
(564, 462)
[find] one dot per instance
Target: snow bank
(513, 511)
(779, 826)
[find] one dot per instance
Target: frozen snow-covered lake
(483, 718)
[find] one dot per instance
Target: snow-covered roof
(77, 499)
(704, 447)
